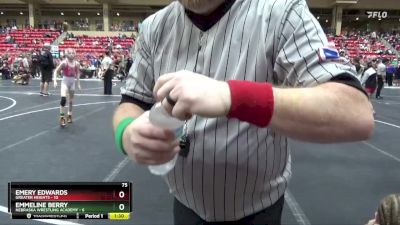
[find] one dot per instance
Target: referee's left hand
(194, 94)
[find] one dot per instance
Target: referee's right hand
(148, 144)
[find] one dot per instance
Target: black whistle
(184, 144)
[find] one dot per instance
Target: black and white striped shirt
(234, 169)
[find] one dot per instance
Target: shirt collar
(204, 23)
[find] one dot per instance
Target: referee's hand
(193, 94)
(148, 144)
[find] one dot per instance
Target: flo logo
(377, 14)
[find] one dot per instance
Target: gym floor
(331, 184)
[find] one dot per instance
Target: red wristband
(251, 102)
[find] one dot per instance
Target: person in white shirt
(106, 66)
(25, 63)
(373, 35)
(381, 72)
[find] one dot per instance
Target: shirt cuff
(128, 99)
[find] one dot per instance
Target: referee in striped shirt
(246, 75)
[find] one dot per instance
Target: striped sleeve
(300, 43)
(140, 81)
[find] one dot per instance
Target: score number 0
(121, 194)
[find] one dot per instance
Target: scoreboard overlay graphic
(76, 200)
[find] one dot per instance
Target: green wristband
(120, 131)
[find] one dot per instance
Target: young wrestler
(70, 72)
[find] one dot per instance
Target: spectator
(22, 77)
(35, 69)
(359, 67)
(368, 79)
(397, 76)
(129, 63)
(17, 63)
(10, 39)
(97, 64)
(388, 212)
(5, 70)
(381, 73)
(47, 67)
(391, 69)
(25, 63)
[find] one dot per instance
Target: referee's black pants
(108, 82)
(269, 216)
(380, 86)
